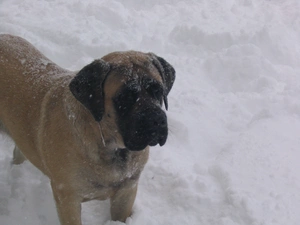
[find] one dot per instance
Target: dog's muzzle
(146, 127)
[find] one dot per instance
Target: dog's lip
(152, 144)
(130, 147)
(161, 141)
(138, 143)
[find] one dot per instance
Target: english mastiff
(88, 131)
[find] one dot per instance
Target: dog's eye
(132, 94)
(155, 90)
(129, 96)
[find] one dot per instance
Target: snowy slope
(232, 157)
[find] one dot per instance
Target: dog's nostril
(153, 134)
(161, 123)
(156, 123)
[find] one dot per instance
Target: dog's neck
(90, 133)
(122, 154)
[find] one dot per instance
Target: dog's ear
(87, 87)
(167, 73)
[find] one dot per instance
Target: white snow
(232, 156)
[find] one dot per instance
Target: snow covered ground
(232, 157)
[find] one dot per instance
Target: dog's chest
(100, 182)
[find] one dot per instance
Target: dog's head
(130, 87)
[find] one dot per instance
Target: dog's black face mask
(141, 120)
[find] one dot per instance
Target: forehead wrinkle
(130, 62)
(131, 70)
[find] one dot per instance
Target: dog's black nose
(159, 120)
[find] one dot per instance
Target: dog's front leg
(121, 203)
(68, 206)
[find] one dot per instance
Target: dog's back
(22, 84)
(25, 78)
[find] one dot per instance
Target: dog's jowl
(89, 131)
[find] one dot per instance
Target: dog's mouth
(161, 140)
(136, 145)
